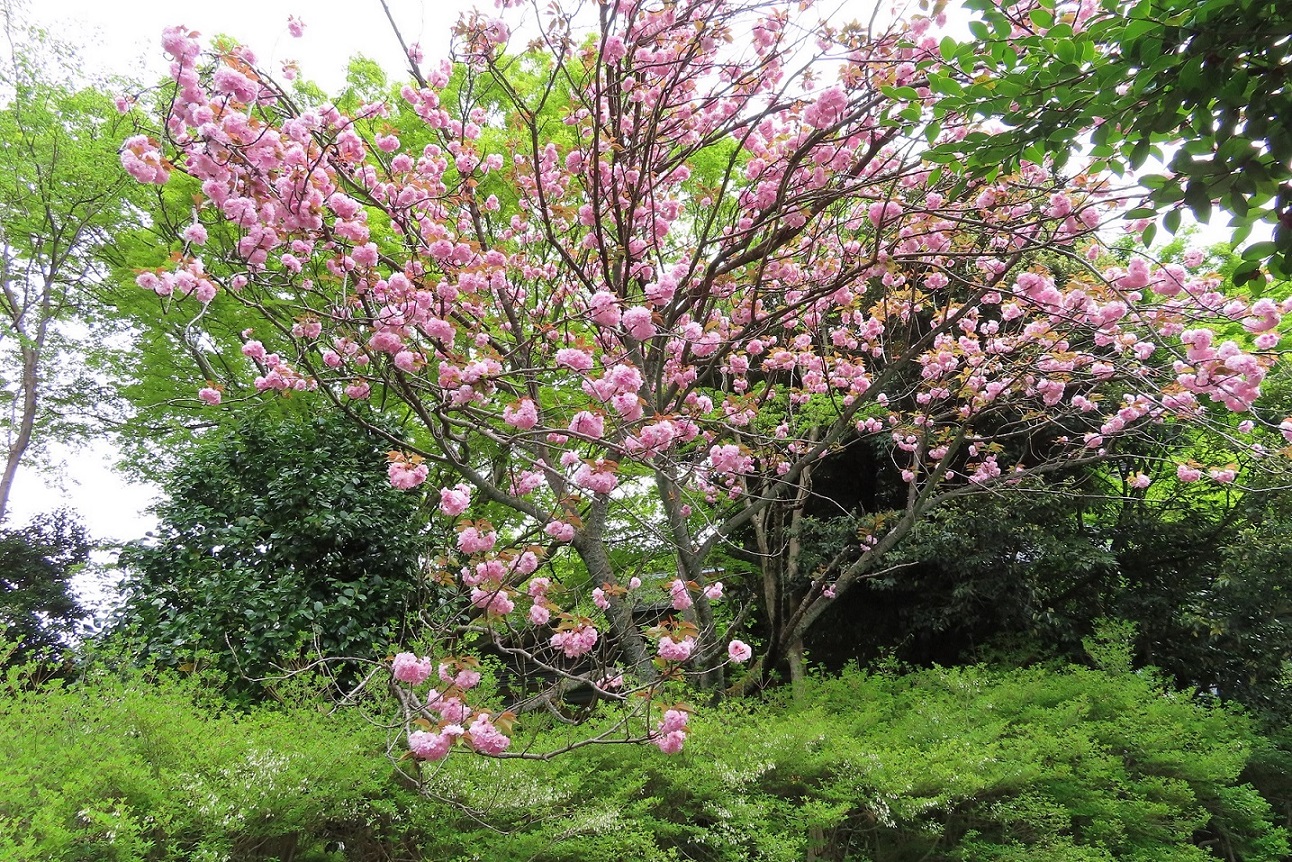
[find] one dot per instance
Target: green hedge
(968, 764)
(128, 768)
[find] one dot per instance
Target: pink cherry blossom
(472, 540)
(577, 641)
(560, 531)
(454, 501)
(739, 651)
(637, 321)
(605, 308)
(670, 733)
(494, 601)
(523, 416)
(575, 360)
(679, 650)
(195, 233)
(485, 738)
(406, 475)
(429, 746)
(451, 709)
(598, 477)
(143, 160)
(587, 424)
(408, 668)
(680, 595)
(463, 678)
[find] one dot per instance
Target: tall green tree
(63, 198)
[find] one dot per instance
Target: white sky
(125, 37)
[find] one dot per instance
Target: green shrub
(129, 768)
(281, 537)
(969, 764)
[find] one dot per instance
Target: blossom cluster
(456, 723)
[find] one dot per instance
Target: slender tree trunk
(20, 438)
(777, 531)
(816, 843)
(624, 630)
(798, 686)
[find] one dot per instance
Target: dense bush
(280, 535)
(967, 764)
(128, 768)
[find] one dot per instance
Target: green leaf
(1197, 196)
(944, 85)
(1237, 203)
(1140, 153)
(1246, 271)
(1280, 265)
(1240, 234)
(902, 94)
(1136, 29)
(1260, 250)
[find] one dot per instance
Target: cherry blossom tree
(635, 283)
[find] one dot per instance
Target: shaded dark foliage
(38, 607)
